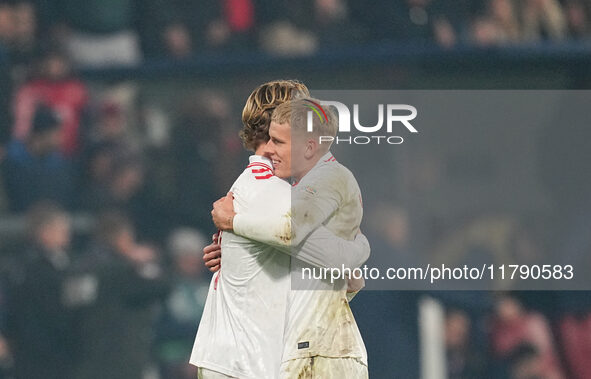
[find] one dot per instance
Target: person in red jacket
(57, 88)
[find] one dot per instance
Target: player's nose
(269, 148)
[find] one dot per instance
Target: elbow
(286, 236)
(354, 261)
(357, 260)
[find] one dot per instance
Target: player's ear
(311, 149)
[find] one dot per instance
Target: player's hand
(212, 254)
(223, 212)
(355, 285)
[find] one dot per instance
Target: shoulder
(257, 187)
(260, 176)
(332, 176)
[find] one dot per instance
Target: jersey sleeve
(287, 215)
(324, 249)
(267, 219)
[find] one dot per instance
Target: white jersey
(241, 333)
(242, 326)
(319, 320)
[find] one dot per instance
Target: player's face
(279, 149)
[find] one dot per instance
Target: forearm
(324, 249)
(274, 230)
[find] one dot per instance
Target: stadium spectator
(5, 359)
(111, 126)
(203, 147)
(40, 325)
(514, 327)
(307, 25)
(284, 28)
(117, 325)
(215, 24)
(416, 21)
(96, 33)
(125, 180)
(6, 24)
(24, 40)
(5, 94)
(542, 20)
(578, 15)
(57, 87)
(397, 311)
(499, 25)
(463, 361)
(35, 170)
(572, 309)
(109, 132)
(19, 34)
(184, 305)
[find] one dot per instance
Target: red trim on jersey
(215, 283)
(258, 164)
(260, 170)
(331, 159)
(264, 177)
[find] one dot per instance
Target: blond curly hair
(256, 116)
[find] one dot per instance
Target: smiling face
(278, 149)
(290, 151)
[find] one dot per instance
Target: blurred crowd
(124, 32)
(113, 307)
(122, 297)
(517, 334)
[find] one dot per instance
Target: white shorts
(324, 368)
(203, 373)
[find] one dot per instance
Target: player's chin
(281, 172)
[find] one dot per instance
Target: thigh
(297, 368)
(337, 368)
(324, 368)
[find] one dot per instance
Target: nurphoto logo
(392, 115)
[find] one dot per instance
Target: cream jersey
(241, 332)
(319, 320)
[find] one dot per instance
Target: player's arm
(212, 254)
(268, 223)
(266, 219)
(354, 285)
(291, 213)
(322, 248)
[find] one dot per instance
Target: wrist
(230, 221)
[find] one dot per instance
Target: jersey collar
(260, 160)
(328, 157)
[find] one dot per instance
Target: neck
(260, 150)
(308, 165)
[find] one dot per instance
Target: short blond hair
(295, 113)
(256, 116)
